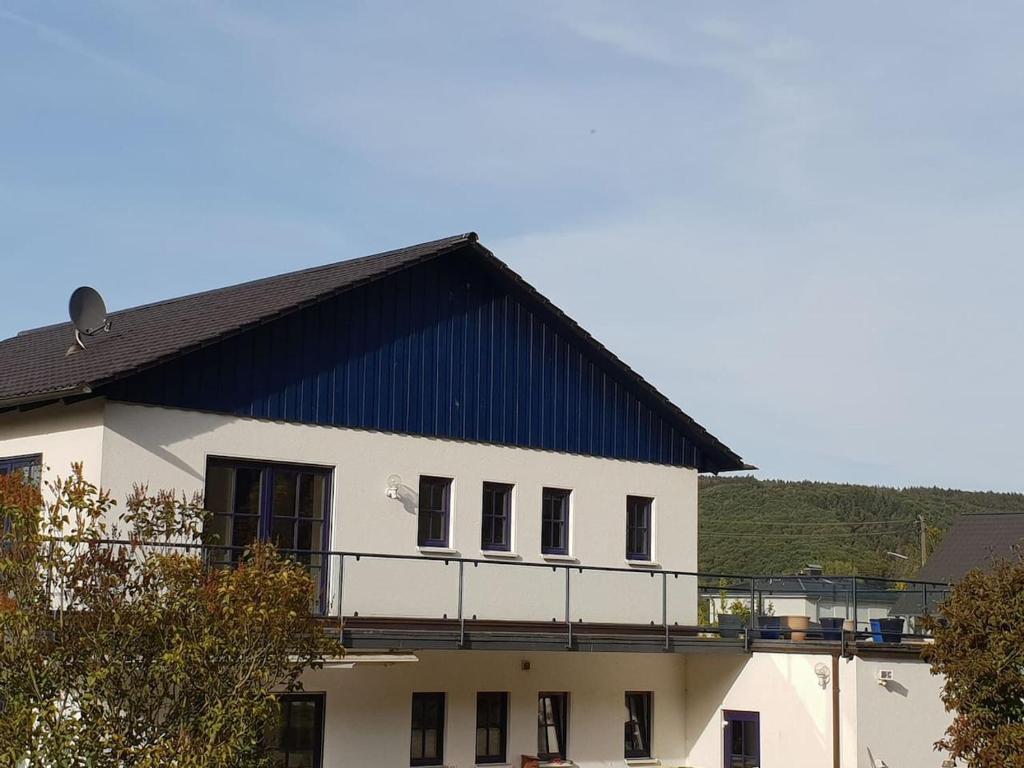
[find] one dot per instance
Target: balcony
(417, 602)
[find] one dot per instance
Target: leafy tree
(140, 655)
(979, 648)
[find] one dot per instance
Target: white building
(502, 516)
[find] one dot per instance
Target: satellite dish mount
(88, 314)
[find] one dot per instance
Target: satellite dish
(88, 314)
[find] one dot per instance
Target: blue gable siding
(448, 348)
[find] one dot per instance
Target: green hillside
(771, 526)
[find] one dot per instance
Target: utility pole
(924, 541)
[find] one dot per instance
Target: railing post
(753, 607)
(341, 587)
(664, 605)
(856, 615)
(568, 614)
(462, 618)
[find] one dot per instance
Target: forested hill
(777, 527)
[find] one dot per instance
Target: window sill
(638, 761)
(439, 551)
(561, 558)
(643, 564)
(501, 555)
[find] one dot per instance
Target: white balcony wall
(169, 448)
(368, 709)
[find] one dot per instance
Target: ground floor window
(300, 734)
(638, 724)
(427, 738)
(552, 725)
(742, 739)
(491, 725)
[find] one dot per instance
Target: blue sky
(801, 221)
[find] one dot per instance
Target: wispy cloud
(72, 45)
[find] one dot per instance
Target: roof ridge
(467, 237)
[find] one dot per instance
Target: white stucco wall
(61, 433)
(367, 717)
(897, 724)
(795, 712)
(168, 448)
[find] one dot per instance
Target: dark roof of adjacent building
(974, 539)
(810, 587)
(38, 367)
(972, 542)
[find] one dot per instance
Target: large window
(426, 746)
(282, 503)
(638, 724)
(31, 467)
(638, 527)
(552, 725)
(434, 511)
(496, 532)
(491, 725)
(554, 532)
(298, 742)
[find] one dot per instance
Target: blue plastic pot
(888, 630)
(769, 627)
(831, 628)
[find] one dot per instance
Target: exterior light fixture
(822, 671)
(394, 484)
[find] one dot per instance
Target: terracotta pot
(797, 626)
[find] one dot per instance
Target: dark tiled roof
(971, 542)
(35, 363)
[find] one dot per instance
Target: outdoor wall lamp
(394, 483)
(822, 671)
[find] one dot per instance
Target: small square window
(552, 725)
(426, 743)
(491, 727)
(638, 724)
(434, 511)
(554, 535)
(496, 524)
(638, 527)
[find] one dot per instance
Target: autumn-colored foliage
(140, 654)
(979, 648)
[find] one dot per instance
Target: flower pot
(832, 628)
(729, 625)
(797, 626)
(888, 630)
(768, 627)
(850, 627)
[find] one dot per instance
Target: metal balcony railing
(458, 590)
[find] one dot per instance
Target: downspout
(835, 711)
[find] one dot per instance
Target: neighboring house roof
(37, 367)
(809, 587)
(971, 542)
